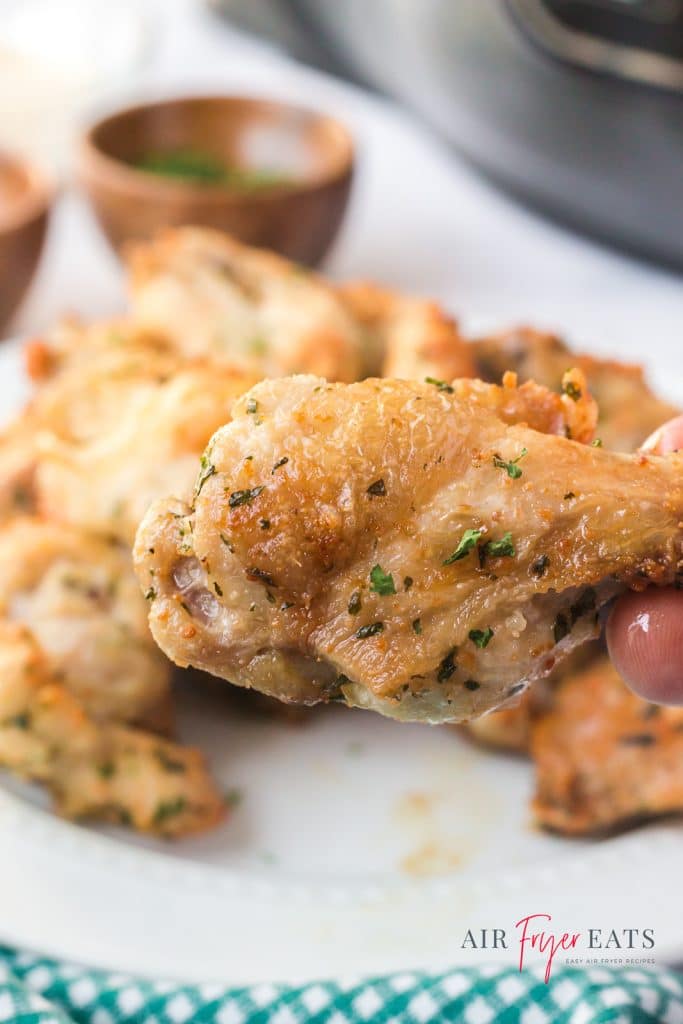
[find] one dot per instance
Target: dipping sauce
(198, 168)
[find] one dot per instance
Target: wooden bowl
(25, 197)
(297, 216)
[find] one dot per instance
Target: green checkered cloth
(35, 990)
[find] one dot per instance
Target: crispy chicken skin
(398, 546)
(407, 336)
(92, 769)
(149, 449)
(78, 595)
(604, 757)
(213, 296)
(629, 411)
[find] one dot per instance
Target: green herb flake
(354, 605)
(440, 385)
(169, 764)
(227, 542)
(447, 666)
(167, 809)
(503, 548)
(597, 443)
(569, 496)
(150, 594)
(381, 582)
(218, 588)
(572, 391)
(540, 566)
(417, 626)
(407, 582)
(468, 541)
(106, 770)
(512, 469)
(471, 684)
(238, 498)
(377, 489)
(372, 629)
(280, 462)
(252, 406)
(207, 470)
(481, 637)
(22, 720)
(233, 797)
(264, 524)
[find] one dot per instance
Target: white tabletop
(421, 219)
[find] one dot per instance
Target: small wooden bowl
(298, 217)
(25, 197)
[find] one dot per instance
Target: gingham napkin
(35, 990)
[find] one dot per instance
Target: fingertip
(666, 439)
(645, 640)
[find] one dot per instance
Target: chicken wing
(95, 770)
(629, 411)
(407, 337)
(397, 546)
(149, 449)
(215, 297)
(79, 596)
(604, 757)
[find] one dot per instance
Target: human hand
(645, 630)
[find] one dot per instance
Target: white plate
(360, 845)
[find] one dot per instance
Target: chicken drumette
(398, 546)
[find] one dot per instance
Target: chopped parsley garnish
(447, 666)
(468, 541)
(106, 770)
(417, 626)
(569, 496)
(264, 524)
(238, 498)
(407, 582)
(169, 809)
(22, 720)
(280, 462)
(218, 589)
(481, 637)
(440, 385)
(572, 391)
(597, 443)
(381, 582)
(168, 763)
(252, 406)
(354, 605)
(372, 629)
(503, 548)
(512, 469)
(207, 469)
(377, 489)
(539, 567)
(471, 684)
(150, 594)
(232, 797)
(261, 576)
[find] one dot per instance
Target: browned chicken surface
(604, 757)
(398, 546)
(95, 770)
(79, 596)
(629, 411)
